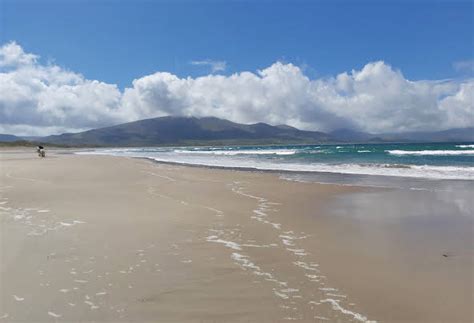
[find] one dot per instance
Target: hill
(187, 131)
(9, 138)
(175, 131)
(450, 135)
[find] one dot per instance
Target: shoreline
(207, 239)
(374, 169)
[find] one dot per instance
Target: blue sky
(118, 41)
(376, 66)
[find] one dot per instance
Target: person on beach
(40, 151)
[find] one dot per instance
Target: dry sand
(96, 238)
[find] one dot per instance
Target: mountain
(9, 138)
(349, 135)
(187, 131)
(213, 131)
(451, 135)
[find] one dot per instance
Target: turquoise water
(429, 160)
(436, 154)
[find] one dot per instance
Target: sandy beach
(102, 238)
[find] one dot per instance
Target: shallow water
(436, 161)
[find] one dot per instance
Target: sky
(378, 66)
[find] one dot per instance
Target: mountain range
(215, 131)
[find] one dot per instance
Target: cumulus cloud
(216, 66)
(35, 96)
(39, 98)
(13, 55)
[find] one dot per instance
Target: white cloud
(466, 66)
(27, 130)
(48, 97)
(216, 66)
(40, 99)
(13, 55)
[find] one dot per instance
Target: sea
(367, 162)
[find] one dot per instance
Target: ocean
(451, 161)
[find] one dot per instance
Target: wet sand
(97, 238)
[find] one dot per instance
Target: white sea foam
(281, 295)
(465, 146)
(18, 299)
(336, 295)
(244, 262)
(238, 152)
(305, 265)
(297, 252)
(251, 245)
(337, 307)
(216, 211)
(431, 152)
(321, 318)
(80, 281)
(54, 314)
(421, 171)
(413, 171)
(228, 244)
(287, 242)
(91, 304)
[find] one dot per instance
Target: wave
(413, 171)
(431, 152)
(238, 152)
(208, 159)
(465, 146)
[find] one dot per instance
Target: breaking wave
(238, 152)
(431, 152)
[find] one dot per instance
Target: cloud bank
(39, 99)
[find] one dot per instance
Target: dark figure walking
(40, 151)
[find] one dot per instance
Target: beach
(103, 238)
